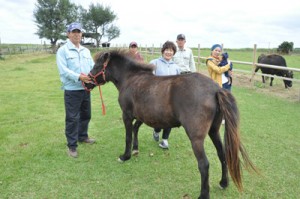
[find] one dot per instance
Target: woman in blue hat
(216, 72)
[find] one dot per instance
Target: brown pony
(193, 101)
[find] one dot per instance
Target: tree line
(53, 16)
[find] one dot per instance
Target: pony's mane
(127, 56)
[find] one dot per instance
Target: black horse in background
(278, 60)
(193, 101)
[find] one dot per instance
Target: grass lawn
(34, 161)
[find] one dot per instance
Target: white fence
(25, 49)
(198, 58)
(253, 64)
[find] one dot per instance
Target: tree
(285, 47)
(52, 18)
(98, 19)
(112, 33)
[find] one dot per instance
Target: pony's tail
(233, 145)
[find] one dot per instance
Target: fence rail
(20, 49)
(201, 59)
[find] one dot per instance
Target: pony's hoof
(135, 152)
(204, 197)
(223, 185)
(120, 160)
(123, 158)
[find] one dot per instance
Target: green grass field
(34, 161)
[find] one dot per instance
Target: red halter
(94, 77)
(102, 72)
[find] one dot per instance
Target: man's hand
(85, 78)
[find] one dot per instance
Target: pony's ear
(97, 56)
(106, 56)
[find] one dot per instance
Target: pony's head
(288, 74)
(97, 74)
(115, 64)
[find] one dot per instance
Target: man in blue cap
(74, 63)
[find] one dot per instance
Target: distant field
(34, 161)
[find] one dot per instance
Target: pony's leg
(271, 82)
(263, 79)
(216, 139)
(128, 140)
(203, 165)
(135, 147)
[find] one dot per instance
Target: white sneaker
(164, 145)
(223, 122)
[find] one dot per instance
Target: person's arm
(87, 67)
(154, 63)
(63, 69)
(178, 70)
(216, 68)
(192, 62)
(140, 58)
(84, 78)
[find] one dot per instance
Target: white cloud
(236, 24)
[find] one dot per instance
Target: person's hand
(230, 73)
(85, 78)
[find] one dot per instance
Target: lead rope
(102, 102)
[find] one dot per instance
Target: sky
(233, 23)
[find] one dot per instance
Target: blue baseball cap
(74, 26)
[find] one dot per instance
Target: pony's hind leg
(203, 165)
(216, 139)
(135, 147)
(271, 81)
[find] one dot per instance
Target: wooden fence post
(253, 63)
(146, 51)
(199, 62)
(152, 50)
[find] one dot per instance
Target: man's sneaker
(88, 141)
(155, 136)
(73, 153)
(163, 145)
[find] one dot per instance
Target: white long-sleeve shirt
(185, 60)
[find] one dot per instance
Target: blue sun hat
(216, 46)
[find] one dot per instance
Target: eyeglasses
(133, 46)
